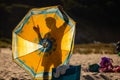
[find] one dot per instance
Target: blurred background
(96, 20)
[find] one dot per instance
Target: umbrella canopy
(43, 40)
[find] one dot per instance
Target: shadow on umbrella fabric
(43, 40)
(50, 42)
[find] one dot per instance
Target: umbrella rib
(26, 39)
(38, 64)
(27, 54)
(33, 21)
(67, 31)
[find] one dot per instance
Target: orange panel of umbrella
(44, 39)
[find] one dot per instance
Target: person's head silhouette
(50, 22)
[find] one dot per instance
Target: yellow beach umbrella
(43, 40)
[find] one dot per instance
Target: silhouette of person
(52, 44)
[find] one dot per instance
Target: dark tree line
(96, 19)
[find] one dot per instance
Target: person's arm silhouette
(65, 17)
(37, 30)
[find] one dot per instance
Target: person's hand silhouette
(36, 29)
(65, 17)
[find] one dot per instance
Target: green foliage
(5, 42)
(99, 48)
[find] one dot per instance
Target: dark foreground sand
(11, 71)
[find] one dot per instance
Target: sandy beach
(11, 71)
